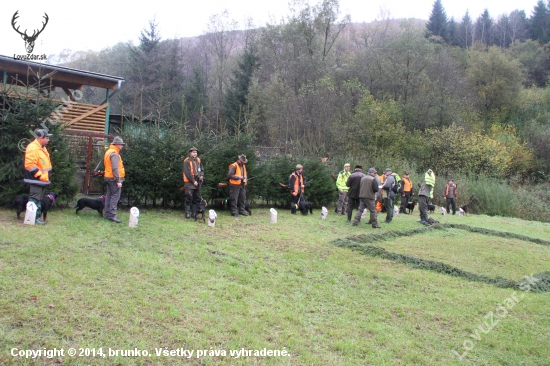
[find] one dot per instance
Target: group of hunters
(366, 191)
(373, 192)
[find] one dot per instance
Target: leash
(51, 197)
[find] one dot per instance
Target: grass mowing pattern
(502, 234)
(357, 242)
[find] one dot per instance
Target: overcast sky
(94, 25)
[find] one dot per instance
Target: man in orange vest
(114, 176)
(237, 186)
(193, 176)
(37, 170)
(296, 183)
(406, 192)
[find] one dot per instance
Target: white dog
(212, 215)
(395, 211)
(443, 210)
(460, 211)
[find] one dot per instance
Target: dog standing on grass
(201, 210)
(410, 206)
(46, 203)
(95, 204)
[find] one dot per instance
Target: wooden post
(86, 189)
(107, 111)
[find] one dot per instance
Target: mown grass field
(83, 282)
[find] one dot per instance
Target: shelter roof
(63, 77)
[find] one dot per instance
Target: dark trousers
(36, 193)
(192, 195)
(451, 202)
(369, 204)
(237, 195)
(423, 206)
(404, 201)
(111, 199)
(352, 203)
(343, 202)
(294, 200)
(388, 204)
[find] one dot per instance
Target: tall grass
(492, 197)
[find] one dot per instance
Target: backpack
(396, 187)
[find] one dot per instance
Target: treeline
(459, 97)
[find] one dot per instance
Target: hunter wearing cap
(38, 168)
(406, 190)
(237, 186)
(114, 176)
(424, 194)
(193, 176)
(354, 184)
(343, 176)
(390, 190)
(370, 184)
(296, 183)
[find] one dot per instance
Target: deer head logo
(29, 40)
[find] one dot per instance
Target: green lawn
(83, 282)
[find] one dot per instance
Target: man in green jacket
(426, 192)
(343, 176)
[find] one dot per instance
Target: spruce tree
(437, 24)
(235, 99)
(539, 23)
(484, 28)
(465, 32)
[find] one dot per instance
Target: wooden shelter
(86, 124)
(78, 117)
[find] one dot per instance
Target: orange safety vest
(107, 162)
(37, 157)
(407, 185)
(238, 172)
(447, 190)
(185, 179)
(298, 182)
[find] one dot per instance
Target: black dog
(431, 207)
(410, 206)
(201, 211)
(96, 204)
(304, 207)
(21, 203)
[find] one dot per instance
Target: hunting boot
(193, 210)
(38, 204)
(187, 211)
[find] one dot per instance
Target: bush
(153, 160)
